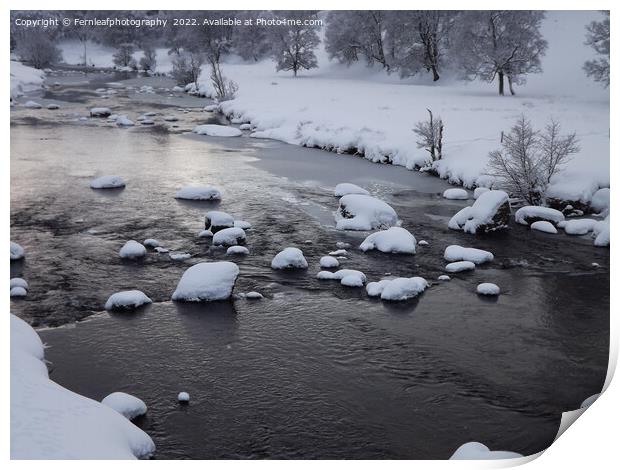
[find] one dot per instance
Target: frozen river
(314, 370)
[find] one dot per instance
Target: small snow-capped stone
(32, 105)
(455, 193)
(487, 288)
(400, 288)
(423, 243)
(478, 451)
(343, 189)
(147, 122)
(127, 300)
(53, 106)
(161, 249)
(458, 253)
(289, 258)
(342, 245)
(579, 226)
(18, 292)
(170, 118)
(206, 282)
(543, 226)
(107, 182)
(19, 282)
(479, 191)
(129, 406)
(229, 236)
(245, 127)
(199, 193)
(124, 121)
(215, 130)
(205, 234)
(237, 250)
(17, 252)
(347, 277)
(150, 243)
(183, 397)
(362, 212)
(444, 277)
(460, 266)
(132, 249)
(253, 295)
(243, 224)
(179, 255)
(595, 265)
(528, 214)
(329, 262)
(392, 240)
(340, 252)
(218, 220)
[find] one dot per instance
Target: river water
(314, 370)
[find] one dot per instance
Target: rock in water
(392, 240)
(289, 258)
(490, 212)
(361, 212)
(217, 220)
(129, 406)
(127, 300)
(205, 282)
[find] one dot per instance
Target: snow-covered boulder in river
(205, 282)
(400, 288)
(392, 240)
(527, 215)
(344, 189)
(487, 288)
(151, 243)
(18, 282)
(579, 226)
(362, 212)
(127, 300)
(478, 451)
(124, 121)
(459, 266)
(601, 232)
(215, 130)
(127, 405)
(328, 262)
(289, 258)
(132, 250)
(51, 422)
(490, 212)
(52, 106)
(199, 193)
(18, 292)
(455, 193)
(600, 200)
(107, 182)
(17, 252)
(237, 250)
(100, 112)
(32, 105)
(458, 253)
(543, 226)
(480, 191)
(229, 237)
(217, 220)
(347, 277)
(243, 224)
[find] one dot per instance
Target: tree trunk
(512, 92)
(500, 77)
(435, 74)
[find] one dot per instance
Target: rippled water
(314, 370)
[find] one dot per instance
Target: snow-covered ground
(24, 79)
(51, 422)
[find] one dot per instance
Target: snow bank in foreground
(361, 212)
(392, 240)
(107, 182)
(401, 288)
(25, 79)
(459, 253)
(289, 258)
(205, 282)
(478, 451)
(127, 300)
(17, 252)
(490, 212)
(343, 189)
(215, 130)
(51, 422)
(199, 193)
(127, 405)
(526, 215)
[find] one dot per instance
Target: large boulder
(362, 212)
(205, 282)
(217, 220)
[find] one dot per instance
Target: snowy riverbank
(25, 79)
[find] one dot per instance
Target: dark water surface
(314, 370)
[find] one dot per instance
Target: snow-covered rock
(237, 250)
(460, 266)
(289, 258)
(161, 249)
(52, 106)
(19, 282)
(229, 237)
(183, 397)
(51, 422)
(328, 262)
(423, 243)
(24, 79)
(151, 243)
(392, 240)
(455, 193)
(127, 405)
(400, 288)
(212, 108)
(100, 112)
(243, 224)
(362, 212)
(344, 189)
(124, 121)
(132, 250)
(205, 234)
(32, 105)
(217, 220)
(543, 226)
(600, 200)
(526, 215)
(601, 232)
(18, 292)
(206, 282)
(199, 193)
(487, 288)
(170, 118)
(491, 211)
(179, 255)
(579, 226)
(107, 182)
(253, 295)
(478, 451)
(245, 127)
(347, 277)
(127, 300)
(215, 130)
(340, 252)
(444, 277)
(479, 191)
(17, 252)
(458, 253)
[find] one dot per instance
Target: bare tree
(123, 57)
(294, 42)
(529, 159)
(186, 66)
(598, 39)
(148, 61)
(37, 49)
(430, 133)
